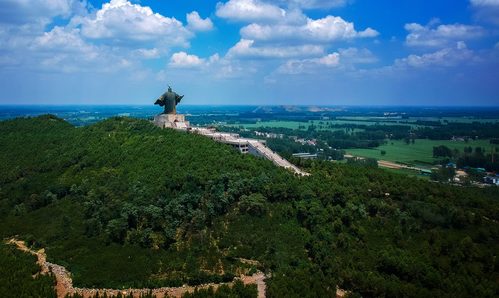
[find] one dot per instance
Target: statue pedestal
(176, 121)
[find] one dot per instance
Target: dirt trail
(65, 286)
(391, 165)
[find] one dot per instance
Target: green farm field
(455, 119)
(421, 150)
(274, 124)
(408, 172)
(320, 124)
(397, 120)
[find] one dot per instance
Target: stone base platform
(176, 121)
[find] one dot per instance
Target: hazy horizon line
(255, 105)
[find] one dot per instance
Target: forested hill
(124, 204)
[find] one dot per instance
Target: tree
(444, 174)
(116, 229)
(254, 204)
(442, 151)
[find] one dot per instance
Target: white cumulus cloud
(442, 35)
(247, 48)
(213, 67)
(60, 39)
(117, 36)
(24, 11)
(64, 50)
(486, 10)
(123, 22)
(485, 2)
(446, 57)
(344, 60)
(312, 65)
(357, 56)
(196, 23)
(330, 60)
(249, 10)
(148, 53)
(315, 4)
(327, 29)
(184, 60)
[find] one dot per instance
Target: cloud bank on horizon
(320, 52)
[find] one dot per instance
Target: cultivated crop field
(323, 124)
(275, 124)
(420, 153)
(320, 124)
(421, 150)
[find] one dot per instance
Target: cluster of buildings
(491, 179)
(312, 142)
(460, 139)
(269, 135)
(306, 155)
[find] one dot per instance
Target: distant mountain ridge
(296, 109)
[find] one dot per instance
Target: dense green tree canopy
(122, 203)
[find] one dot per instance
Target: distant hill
(124, 204)
(295, 109)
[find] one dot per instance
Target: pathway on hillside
(231, 138)
(64, 282)
(276, 158)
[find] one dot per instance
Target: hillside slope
(124, 204)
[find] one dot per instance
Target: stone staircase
(274, 157)
(257, 146)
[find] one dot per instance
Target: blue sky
(330, 52)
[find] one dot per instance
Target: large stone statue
(169, 118)
(169, 100)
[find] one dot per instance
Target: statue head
(169, 89)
